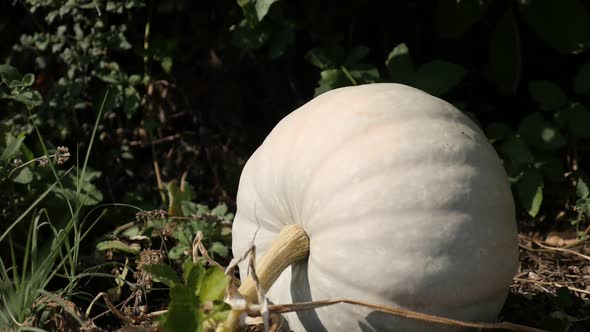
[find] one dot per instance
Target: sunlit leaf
(529, 190)
(23, 176)
(399, 64)
(213, 287)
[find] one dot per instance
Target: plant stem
(348, 75)
(290, 246)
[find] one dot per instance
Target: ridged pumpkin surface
(404, 201)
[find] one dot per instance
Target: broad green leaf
(183, 314)
(9, 74)
(28, 79)
(325, 57)
(505, 55)
(12, 146)
(498, 131)
(399, 64)
(193, 274)
(582, 189)
(540, 134)
(193, 209)
(220, 210)
(23, 176)
(438, 77)
(164, 273)
(188, 208)
(87, 193)
(331, 79)
(30, 99)
(454, 18)
(262, 7)
(133, 248)
(177, 251)
(547, 94)
(364, 74)
(183, 235)
(131, 101)
(176, 195)
(529, 190)
(582, 80)
(220, 249)
(213, 287)
(562, 25)
(516, 151)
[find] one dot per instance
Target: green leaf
(133, 248)
(562, 25)
(516, 151)
(505, 54)
(438, 77)
(498, 131)
(220, 210)
(9, 74)
(400, 64)
(193, 274)
(176, 195)
(364, 74)
(529, 190)
(213, 287)
(331, 79)
(192, 209)
(454, 18)
(183, 235)
(547, 94)
(183, 313)
(582, 80)
(131, 101)
(28, 79)
(164, 273)
(80, 190)
(325, 57)
(220, 249)
(540, 134)
(262, 7)
(30, 99)
(23, 176)
(12, 146)
(582, 189)
(249, 11)
(177, 251)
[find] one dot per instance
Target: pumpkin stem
(290, 246)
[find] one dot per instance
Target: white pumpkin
(403, 199)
